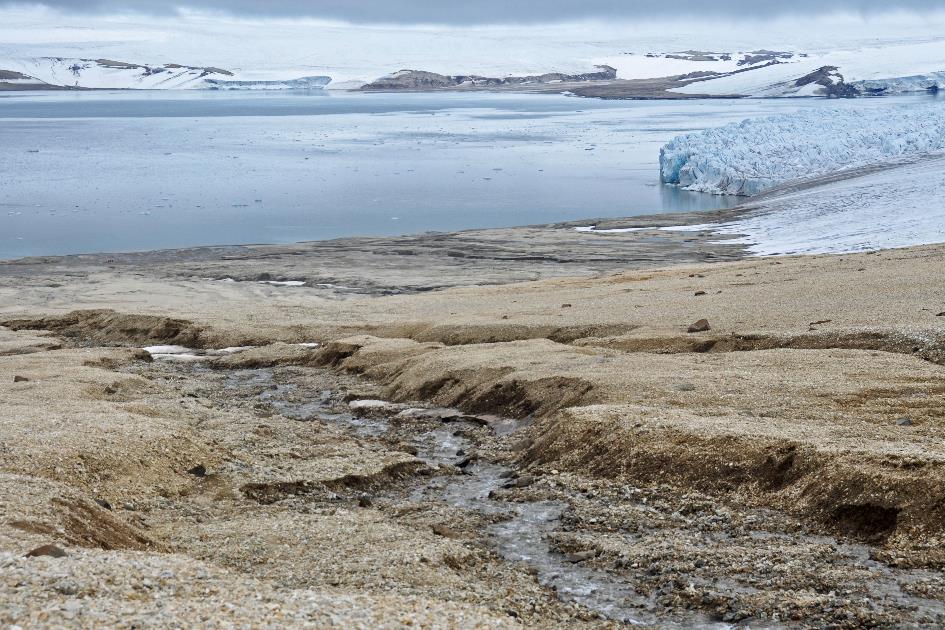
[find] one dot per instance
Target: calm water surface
(120, 171)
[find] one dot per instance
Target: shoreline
(420, 262)
(508, 427)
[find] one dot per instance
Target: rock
(105, 504)
(463, 463)
(365, 502)
(198, 471)
(143, 355)
(904, 422)
(698, 293)
(410, 449)
(51, 551)
(685, 387)
(374, 408)
(520, 482)
(20, 379)
(566, 306)
(445, 531)
(942, 314)
(580, 556)
(66, 587)
(700, 326)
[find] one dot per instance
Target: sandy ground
(783, 466)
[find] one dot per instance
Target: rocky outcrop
(412, 80)
(832, 81)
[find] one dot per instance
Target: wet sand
(550, 445)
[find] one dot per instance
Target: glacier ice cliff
(755, 155)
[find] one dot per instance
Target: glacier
(861, 210)
(302, 83)
(756, 155)
(896, 206)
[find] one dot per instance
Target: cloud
(458, 12)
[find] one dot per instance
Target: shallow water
(120, 171)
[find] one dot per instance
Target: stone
(66, 587)
(580, 556)
(904, 422)
(20, 379)
(198, 471)
(103, 503)
(365, 502)
(698, 293)
(520, 482)
(50, 551)
(700, 326)
(445, 531)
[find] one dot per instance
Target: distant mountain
(58, 73)
(888, 69)
(897, 67)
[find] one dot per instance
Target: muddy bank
(353, 267)
(302, 486)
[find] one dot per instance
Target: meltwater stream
(522, 533)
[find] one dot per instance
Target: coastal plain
(362, 432)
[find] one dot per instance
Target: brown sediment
(812, 408)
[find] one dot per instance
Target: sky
(494, 11)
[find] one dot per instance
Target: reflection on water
(675, 199)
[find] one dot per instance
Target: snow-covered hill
(891, 68)
(755, 155)
(772, 58)
(65, 72)
(108, 73)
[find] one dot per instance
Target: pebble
(700, 326)
(445, 531)
(580, 556)
(51, 551)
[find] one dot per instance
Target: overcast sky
(495, 11)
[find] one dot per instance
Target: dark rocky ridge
(422, 80)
